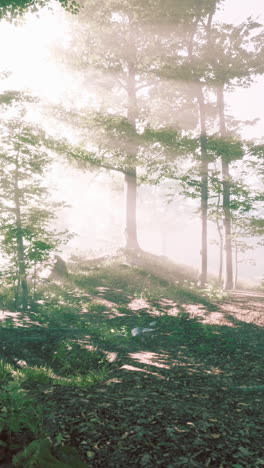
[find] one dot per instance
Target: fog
(168, 226)
(169, 229)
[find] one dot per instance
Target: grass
(188, 395)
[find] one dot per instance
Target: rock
(141, 331)
(21, 363)
(153, 324)
(59, 269)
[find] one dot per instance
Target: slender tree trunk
(220, 233)
(131, 173)
(236, 265)
(34, 281)
(221, 252)
(19, 239)
(227, 226)
(131, 203)
(221, 243)
(228, 284)
(17, 289)
(204, 186)
(204, 159)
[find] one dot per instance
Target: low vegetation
(78, 390)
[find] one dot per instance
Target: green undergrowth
(187, 394)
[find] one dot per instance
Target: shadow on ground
(187, 395)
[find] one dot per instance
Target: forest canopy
(11, 9)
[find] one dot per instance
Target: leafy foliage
(11, 9)
(26, 236)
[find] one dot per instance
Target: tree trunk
(228, 283)
(203, 147)
(221, 252)
(131, 202)
(17, 289)
(227, 226)
(221, 243)
(130, 187)
(236, 265)
(19, 238)
(204, 186)
(34, 282)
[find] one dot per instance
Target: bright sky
(236, 11)
(27, 54)
(246, 104)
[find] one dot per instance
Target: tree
(225, 57)
(113, 45)
(198, 77)
(247, 220)
(189, 66)
(123, 40)
(234, 58)
(245, 197)
(217, 56)
(11, 9)
(26, 236)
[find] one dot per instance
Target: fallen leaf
(145, 459)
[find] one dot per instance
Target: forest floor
(190, 394)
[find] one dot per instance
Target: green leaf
(145, 459)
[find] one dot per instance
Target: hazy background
(96, 199)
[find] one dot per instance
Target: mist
(168, 223)
(165, 228)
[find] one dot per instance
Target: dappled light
(195, 377)
(138, 304)
(150, 359)
(17, 319)
(131, 234)
(129, 367)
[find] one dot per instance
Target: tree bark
(204, 186)
(229, 282)
(131, 204)
(221, 243)
(236, 266)
(19, 240)
(204, 158)
(130, 187)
